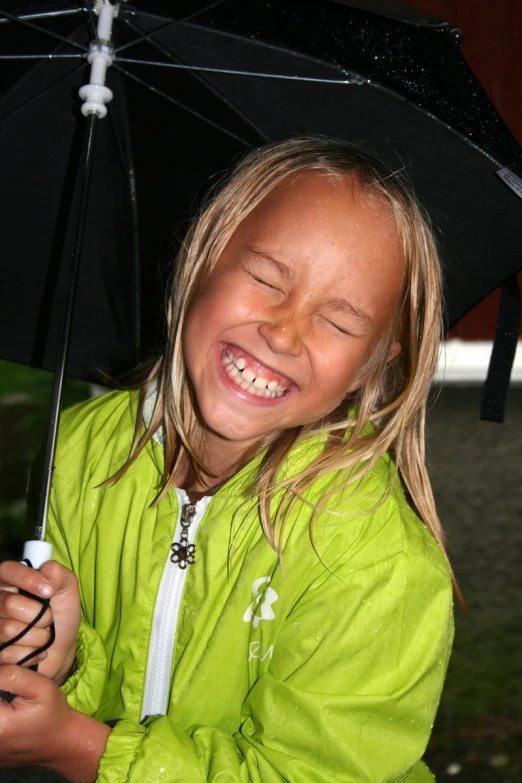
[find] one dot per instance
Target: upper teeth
(243, 376)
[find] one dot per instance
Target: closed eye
(340, 329)
(264, 282)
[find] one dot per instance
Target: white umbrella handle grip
(38, 553)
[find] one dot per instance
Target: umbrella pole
(84, 176)
(94, 95)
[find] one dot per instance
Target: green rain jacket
(231, 671)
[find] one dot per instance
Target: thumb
(21, 682)
(62, 578)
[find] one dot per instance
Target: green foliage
(25, 396)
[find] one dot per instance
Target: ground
(476, 472)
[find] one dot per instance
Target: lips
(251, 375)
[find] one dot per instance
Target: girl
(264, 594)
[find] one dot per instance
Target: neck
(195, 481)
(222, 460)
(193, 478)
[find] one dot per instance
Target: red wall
(493, 48)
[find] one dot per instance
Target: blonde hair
(394, 394)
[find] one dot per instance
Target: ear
(394, 351)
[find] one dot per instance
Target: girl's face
(295, 306)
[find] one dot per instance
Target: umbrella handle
(36, 553)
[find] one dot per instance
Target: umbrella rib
(181, 105)
(49, 56)
(39, 95)
(93, 25)
(56, 36)
(147, 36)
(157, 17)
(352, 78)
(203, 10)
(208, 86)
(47, 14)
(143, 37)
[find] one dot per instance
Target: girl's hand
(16, 611)
(38, 728)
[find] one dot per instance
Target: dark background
(492, 46)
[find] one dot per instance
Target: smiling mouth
(252, 376)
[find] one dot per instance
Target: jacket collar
(300, 456)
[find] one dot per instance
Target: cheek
(228, 305)
(339, 358)
(214, 313)
(339, 368)
(207, 309)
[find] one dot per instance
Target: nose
(281, 333)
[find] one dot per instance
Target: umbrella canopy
(195, 86)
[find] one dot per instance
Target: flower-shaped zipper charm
(183, 554)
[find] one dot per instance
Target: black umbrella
(184, 107)
(197, 83)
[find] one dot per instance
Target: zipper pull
(183, 553)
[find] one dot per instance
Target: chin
(233, 434)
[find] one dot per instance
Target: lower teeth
(235, 374)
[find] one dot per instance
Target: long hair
(393, 394)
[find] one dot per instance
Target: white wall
(464, 361)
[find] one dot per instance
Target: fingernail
(45, 590)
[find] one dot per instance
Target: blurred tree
(25, 395)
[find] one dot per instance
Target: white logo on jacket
(255, 652)
(269, 597)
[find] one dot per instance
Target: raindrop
(453, 769)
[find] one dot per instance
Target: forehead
(316, 210)
(323, 201)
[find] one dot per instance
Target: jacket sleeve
(350, 694)
(86, 685)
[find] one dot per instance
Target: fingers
(17, 575)
(31, 641)
(36, 637)
(20, 608)
(16, 612)
(13, 655)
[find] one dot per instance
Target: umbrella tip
(455, 32)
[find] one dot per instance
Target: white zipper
(166, 614)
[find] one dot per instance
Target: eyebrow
(283, 269)
(342, 306)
